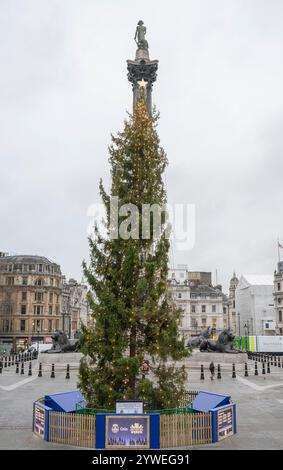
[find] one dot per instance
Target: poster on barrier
(127, 432)
(225, 424)
(39, 420)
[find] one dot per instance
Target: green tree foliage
(134, 318)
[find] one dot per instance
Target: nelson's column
(142, 70)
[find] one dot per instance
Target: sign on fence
(225, 425)
(127, 432)
(129, 407)
(41, 420)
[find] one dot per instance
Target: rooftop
(25, 259)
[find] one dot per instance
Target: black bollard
(9, 361)
(53, 372)
(68, 371)
(263, 368)
(268, 367)
(246, 370)
(17, 367)
(5, 363)
(40, 370)
(13, 360)
(1, 367)
(201, 372)
(275, 361)
(233, 371)
(22, 368)
(271, 360)
(29, 369)
(256, 371)
(218, 372)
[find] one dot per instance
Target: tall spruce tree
(134, 318)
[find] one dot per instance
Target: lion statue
(196, 341)
(224, 343)
(61, 343)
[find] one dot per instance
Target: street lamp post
(38, 341)
(239, 329)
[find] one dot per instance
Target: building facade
(202, 305)
(74, 307)
(230, 308)
(30, 299)
(255, 306)
(278, 298)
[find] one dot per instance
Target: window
(234, 304)
(281, 331)
(24, 281)
(10, 281)
(194, 323)
(23, 309)
(193, 309)
(278, 286)
(279, 300)
(38, 296)
(51, 281)
(24, 296)
(203, 308)
(214, 309)
(23, 325)
(51, 297)
(214, 321)
(280, 316)
(37, 309)
(40, 269)
(57, 324)
(50, 309)
(203, 322)
(49, 325)
(39, 282)
(57, 310)
(179, 295)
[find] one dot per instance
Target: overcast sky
(64, 89)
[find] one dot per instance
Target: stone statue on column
(142, 70)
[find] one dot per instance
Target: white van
(41, 347)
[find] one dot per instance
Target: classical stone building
(202, 304)
(278, 298)
(255, 305)
(231, 305)
(74, 307)
(30, 299)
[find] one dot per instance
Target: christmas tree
(136, 325)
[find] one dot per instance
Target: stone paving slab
(259, 412)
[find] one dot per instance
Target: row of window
(195, 324)
(10, 281)
(39, 297)
(38, 310)
(25, 268)
(37, 325)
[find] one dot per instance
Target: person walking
(212, 370)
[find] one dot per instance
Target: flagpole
(278, 246)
